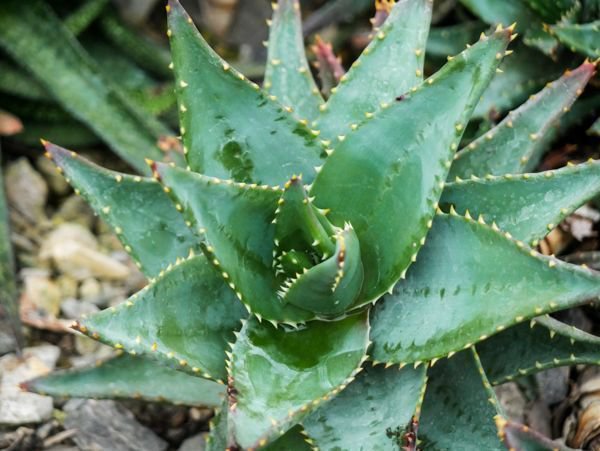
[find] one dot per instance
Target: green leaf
(321, 263)
(299, 225)
(538, 36)
(390, 66)
(185, 319)
(287, 74)
(529, 348)
(519, 437)
(515, 11)
(38, 41)
(551, 11)
(130, 377)
(330, 287)
(9, 308)
(116, 66)
(145, 53)
(516, 144)
(459, 407)
(230, 128)
(470, 282)
(80, 19)
(218, 439)
(294, 439)
(450, 40)
(236, 219)
(44, 111)
(584, 110)
(389, 193)
(505, 12)
(142, 215)
(528, 206)
(16, 82)
(372, 413)
(582, 38)
(70, 133)
(277, 377)
(525, 72)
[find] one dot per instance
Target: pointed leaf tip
(154, 241)
(214, 99)
(374, 190)
(129, 377)
(185, 319)
(516, 144)
(496, 271)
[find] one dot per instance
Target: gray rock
(90, 289)
(17, 407)
(75, 209)
(194, 443)
(553, 385)
(74, 251)
(106, 425)
(74, 309)
(26, 190)
(55, 179)
(512, 400)
(42, 292)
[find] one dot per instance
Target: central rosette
(317, 264)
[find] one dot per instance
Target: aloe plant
(546, 25)
(554, 34)
(314, 272)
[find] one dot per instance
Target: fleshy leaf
(321, 263)
(524, 73)
(551, 11)
(386, 177)
(372, 413)
(236, 219)
(471, 281)
(81, 18)
(287, 74)
(399, 47)
(329, 66)
(144, 52)
(529, 348)
(299, 225)
(277, 377)
(126, 377)
(582, 38)
(459, 407)
(520, 437)
(294, 439)
(505, 12)
(185, 319)
(230, 128)
(41, 43)
(516, 144)
(219, 438)
(16, 82)
(330, 287)
(529, 205)
(138, 210)
(450, 40)
(515, 11)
